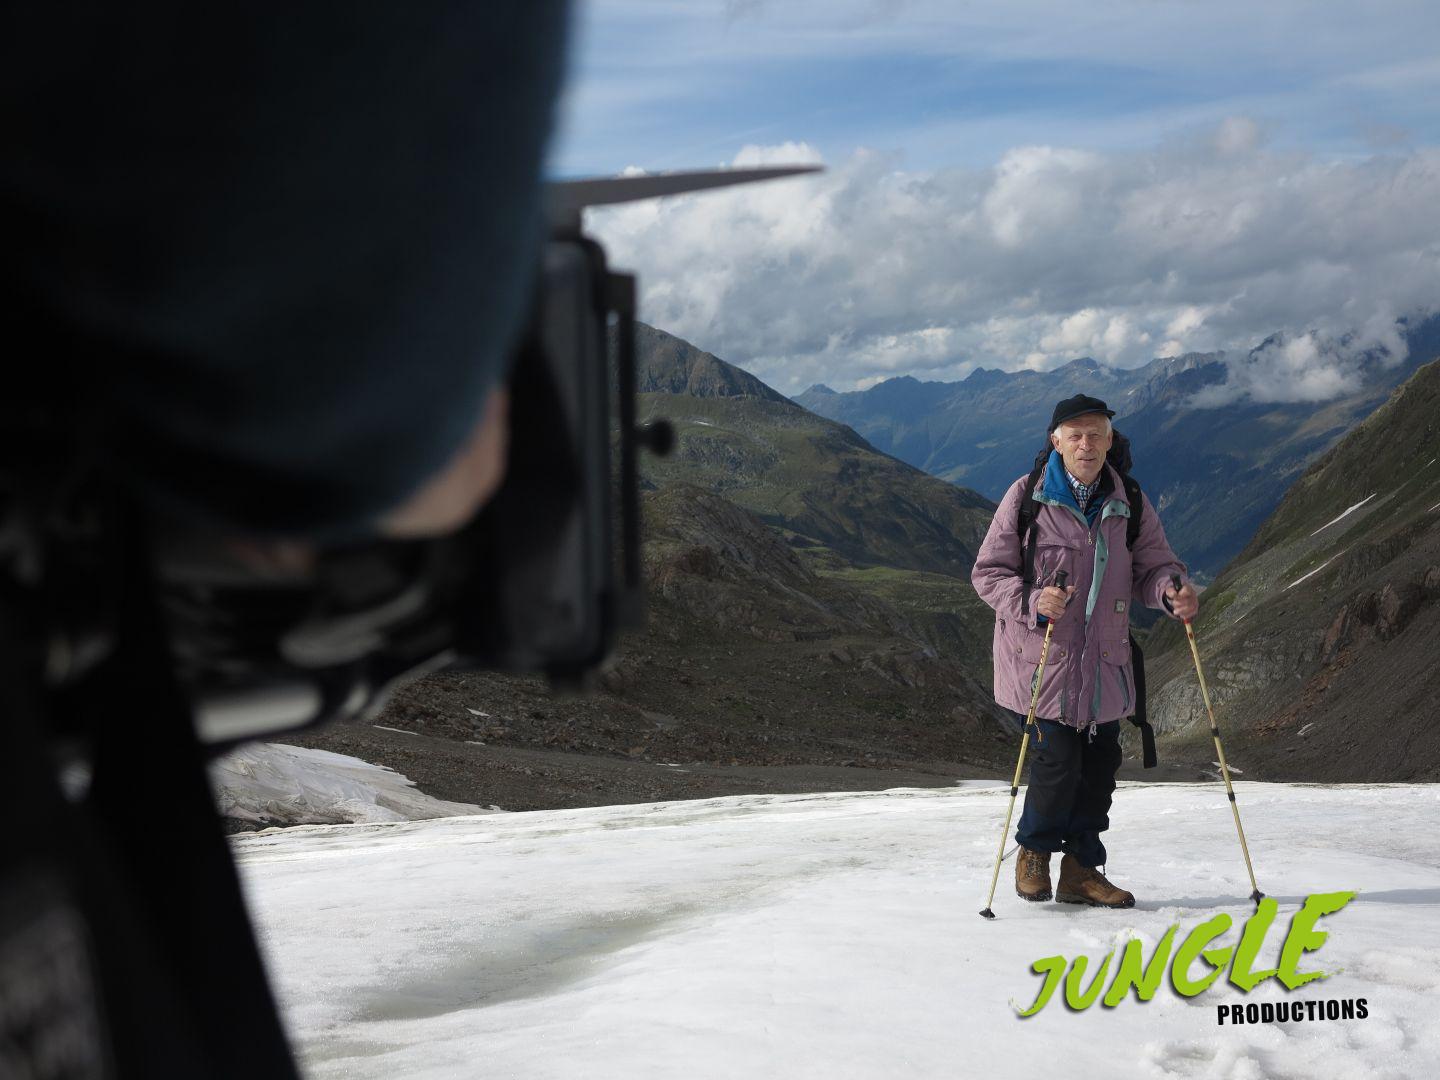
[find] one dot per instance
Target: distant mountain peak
(820, 388)
(1088, 365)
(983, 376)
(667, 364)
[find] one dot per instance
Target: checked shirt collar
(1083, 492)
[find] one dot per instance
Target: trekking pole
(1060, 577)
(1255, 893)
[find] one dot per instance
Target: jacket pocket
(1025, 647)
(1117, 687)
(1028, 644)
(1051, 557)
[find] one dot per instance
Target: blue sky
(665, 85)
(929, 115)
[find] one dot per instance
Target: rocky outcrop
(1268, 659)
(1381, 614)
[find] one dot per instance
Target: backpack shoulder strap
(1025, 527)
(1137, 509)
(1141, 719)
(1119, 457)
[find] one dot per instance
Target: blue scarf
(1058, 487)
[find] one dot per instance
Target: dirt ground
(530, 751)
(520, 778)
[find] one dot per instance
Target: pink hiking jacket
(1088, 677)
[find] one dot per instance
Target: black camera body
(555, 555)
(543, 580)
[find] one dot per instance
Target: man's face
(1083, 442)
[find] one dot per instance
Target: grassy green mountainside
(1320, 639)
(817, 481)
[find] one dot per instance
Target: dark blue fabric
(1057, 486)
(283, 249)
(1071, 784)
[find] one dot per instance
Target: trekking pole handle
(1175, 580)
(1060, 576)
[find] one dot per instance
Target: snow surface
(267, 782)
(1345, 514)
(833, 936)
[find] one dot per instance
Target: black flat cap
(1079, 405)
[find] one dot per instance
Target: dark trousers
(1072, 779)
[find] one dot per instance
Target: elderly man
(1080, 527)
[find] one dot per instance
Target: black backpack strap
(1029, 510)
(1137, 509)
(1141, 719)
(1119, 458)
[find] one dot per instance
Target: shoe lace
(1081, 873)
(1094, 875)
(1034, 864)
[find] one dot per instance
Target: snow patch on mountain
(271, 784)
(1344, 514)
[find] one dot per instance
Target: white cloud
(1237, 135)
(869, 270)
(790, 153)
(1037, 189)
(1308, 367)
(1093, 332)
(1187, 322)
(1294, 369)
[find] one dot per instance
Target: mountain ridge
(984, 430)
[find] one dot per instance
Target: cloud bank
(1212, 243)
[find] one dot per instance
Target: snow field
(833, 935)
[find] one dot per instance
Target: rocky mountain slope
(1320, 640)
(811, 624)
(815, 480)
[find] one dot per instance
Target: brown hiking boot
(1084, 885)
(1032, 874)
